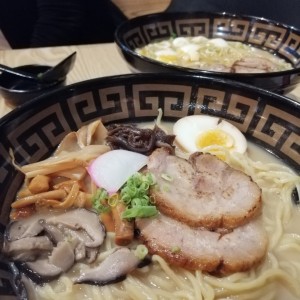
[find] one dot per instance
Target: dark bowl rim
(147, 76)
(135, 21)
(116, 79)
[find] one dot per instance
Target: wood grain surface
(92, 61)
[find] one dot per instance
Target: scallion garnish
(175, 249)
(166, 177)
(141, 251)
(139, 212)
(100, 201)
(135, 196)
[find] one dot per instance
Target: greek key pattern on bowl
(134, 38)
(37, 135)
(291, 48)
(267, 123)
(158, 31)
(257, 33)
(280, 130)
(233, 29)
(266, 35)
(192, 27)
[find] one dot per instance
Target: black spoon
(55, 73)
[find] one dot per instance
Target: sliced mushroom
(46, 269)
(27, 227)
(53, 231)
(80, 251)
(91, 254)
(79, 234)
(54, 241)
(27, 249)
(41, 270)
(81, 218)
(63, 256)
(113, 269)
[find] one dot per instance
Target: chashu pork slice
(200, 249)
(203, 191)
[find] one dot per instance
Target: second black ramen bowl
(31, 132)
(274, 37)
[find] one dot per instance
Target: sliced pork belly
(201, 249)
(254, 65)
(204, 191)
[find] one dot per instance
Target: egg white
(188, 129)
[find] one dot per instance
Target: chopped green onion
(135, 196)
(113, 200)
(166, 177)
(175, 249)
(141, 251)
(103, 202)
(152, 199)
(99, 201)
(166, 188)
(139, 212)
(126, 199)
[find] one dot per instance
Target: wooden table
(92, 61)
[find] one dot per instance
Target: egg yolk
(214, 137)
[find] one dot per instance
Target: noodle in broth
(277, 277)
(216, 54)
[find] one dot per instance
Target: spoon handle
(59, 71)
(22, 74)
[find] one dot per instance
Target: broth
(151, 277)
(213, 55)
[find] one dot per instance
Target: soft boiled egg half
(194, 133)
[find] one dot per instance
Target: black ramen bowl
(32, 131)
(279, 39)
(16, 90)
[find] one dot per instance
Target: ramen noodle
(277, 277)
(213, 54)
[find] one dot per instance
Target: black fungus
(140, 140)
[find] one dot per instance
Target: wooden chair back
(135, 8)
